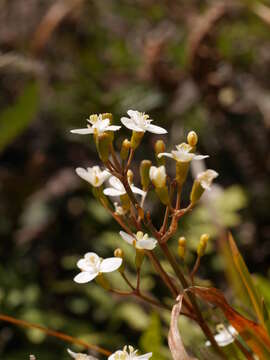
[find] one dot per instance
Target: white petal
(83, 264)
(84, 277)
(137, 190)
(113, 128)
(155, 129)
(113, 192)
(128, 238)
(110, 264)
(130, 124)
(84, 174)
(145, 356)
(165, 154)
(84, 131)
(182, 156)
(132, 113)
(200, 157)
(116, 183)
(148, 244)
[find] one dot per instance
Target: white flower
(158, 175)
(92, 265)
(94, 175)
(79, 356)
(183, 154)
(97, 125)
(206, 178)
(140, 240)
(140, 122)
(129, 354)
(118, 189)
(225, 336)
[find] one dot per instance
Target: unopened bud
(125, 149)
(182, 247)
(130, 176)
(136, 139)
(192, 138)
(181, 172)
(160, 148)
(107, 116)
(103, 143)
(125, 202)
(144, 173)
(196, 192)
(202, 244)
(119, 253)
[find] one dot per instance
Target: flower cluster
(116, 180)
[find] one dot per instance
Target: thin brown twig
(54, 333)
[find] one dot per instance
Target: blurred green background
(190, 64)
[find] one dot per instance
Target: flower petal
(84, 131)
(113, 128)
(84, 174)
(84, 277)
(83, 264)
(116, 183)
(155, 129)
(113, 192)
(137, 190)
(110, 264)
(130, 124)
(165, 154)
(145, 356)
(147, 244)
(200, 157)
(128, 238)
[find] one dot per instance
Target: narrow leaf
(246, 279)
(254, 334)
(174, 339)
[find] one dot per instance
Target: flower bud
(136, 139)
(182, 247)
(120, 253)
(202, 244)
(192, 138)
(125, 149)
(181, 172)
(144, 173)
(130, 176)
(103, 143)
(107, 116)
(160, 148)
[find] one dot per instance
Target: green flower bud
(160, 148)
(144, 173)
(120, 253)
(136, 139)
(125, 202)
(182, 247)
(202, 244)
(163, 194)
(130, 176)
(125, 149)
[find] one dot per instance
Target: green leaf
(246, 280)
(151, 339)
(16, 118)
